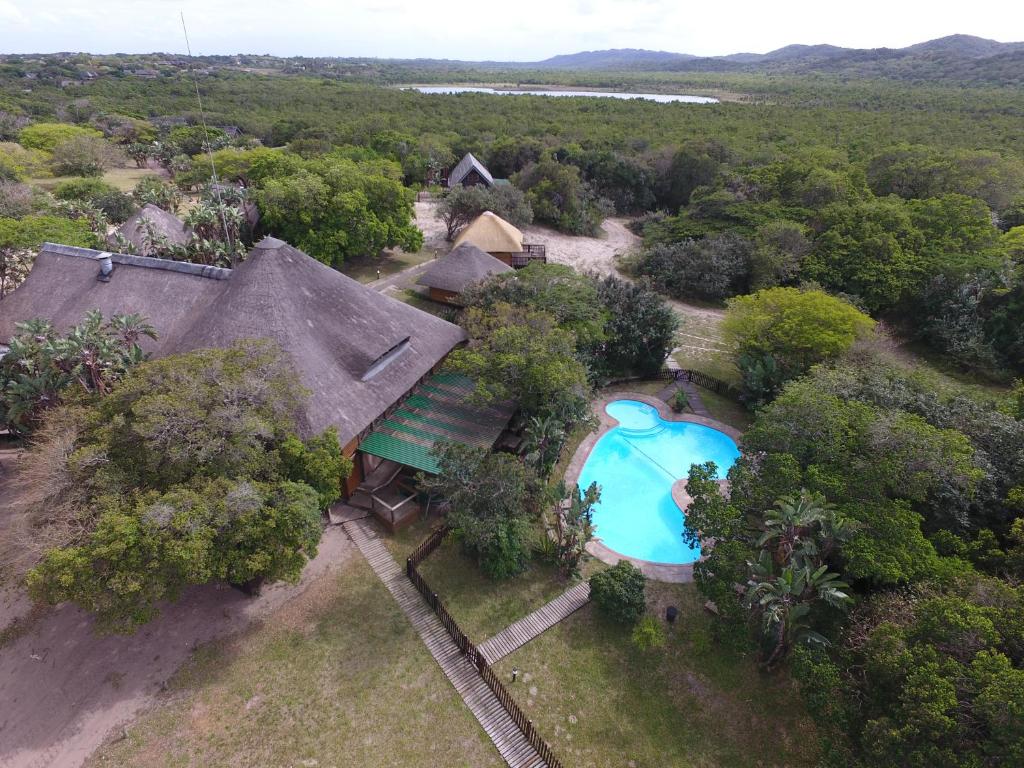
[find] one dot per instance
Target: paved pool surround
(672, 573)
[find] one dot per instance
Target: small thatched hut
(153, 223)
(491, 233)
(453, 273)
(470, 172)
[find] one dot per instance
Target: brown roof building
(456, 271)
(357, 351)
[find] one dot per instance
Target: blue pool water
(636, 464)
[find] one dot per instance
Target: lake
(661, 98)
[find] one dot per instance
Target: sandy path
(63, 688)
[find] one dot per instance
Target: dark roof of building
(162, 224)
(467, 164)
(461, 267)
(356, 350)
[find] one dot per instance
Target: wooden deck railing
(418, 555)
(531, 252)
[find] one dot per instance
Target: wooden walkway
(496, 722)
(519, 633)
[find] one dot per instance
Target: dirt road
(63, 688)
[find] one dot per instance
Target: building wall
(445, 297)
(473, 179)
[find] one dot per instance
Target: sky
(521, 30)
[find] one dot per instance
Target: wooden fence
(418, 555)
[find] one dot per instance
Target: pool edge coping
(674, 573)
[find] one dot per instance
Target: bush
(680, 401)
(648, 634)
(779, 333)
(714, 268)
(152, 189)
(18, 163)
(46, 136)
(619, 593)
(85, 156)
(115, 204)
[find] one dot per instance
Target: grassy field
(337, 677)
(601, 702)
(124, 179)
(481, 606)
(726, 410)
(364, 269)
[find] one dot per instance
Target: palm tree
(784, 602)
(803, 529)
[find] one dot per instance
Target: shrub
(680, 401)
(46, 136)
(152, 189)
(115, 205)
(648, 634)
(619, 593)
(779, 333)
(714, 268)
(85, 156)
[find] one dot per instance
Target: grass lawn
(418, 300)
(124, 179)
(364, 269)
(601, 702)
(481, 606)
(726, 410)
(337, 677)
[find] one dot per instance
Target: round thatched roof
(493, 234)
(465, 265)
(160, 222)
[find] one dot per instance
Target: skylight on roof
(386, 359)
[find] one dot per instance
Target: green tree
(492, 498)
(42, 368)
(335, 208)
(640, 329)
(46, 136)
(559, 197)
(618, 593)
(461, 205)
(522, 355)
(188, 471)
(792, 328)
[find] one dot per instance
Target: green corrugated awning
(438, 411)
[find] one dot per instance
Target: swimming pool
(636, 463)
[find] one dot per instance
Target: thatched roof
(493, 234)
(465, 165)
(356, 350)
(464, 265)
(162, 223)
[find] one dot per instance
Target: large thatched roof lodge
(369, 362)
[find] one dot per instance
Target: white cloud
(484, 29)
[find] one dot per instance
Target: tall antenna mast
(209, 147)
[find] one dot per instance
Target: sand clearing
(65, 689)
(585, 254)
